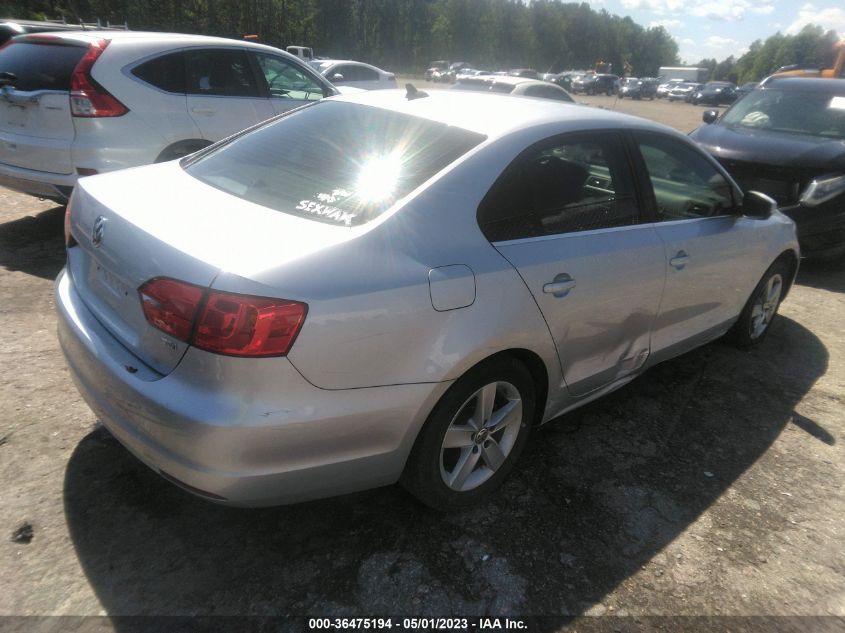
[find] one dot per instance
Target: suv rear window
(340, 163)
(40, 66)
(165, 73)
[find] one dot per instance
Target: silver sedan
(397, 287)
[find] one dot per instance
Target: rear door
(565, 215)
(224, 95)
(36, 127)
(706, 242)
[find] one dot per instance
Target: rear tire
(473, 436)
(759, 312)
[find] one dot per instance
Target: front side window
(335, 162)
(287, 80)
(577, 184)
(220, 72)
(686, 185)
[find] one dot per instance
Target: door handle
(679, 260)
(561, 285)
(208, 111)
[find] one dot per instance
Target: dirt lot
(713, 485)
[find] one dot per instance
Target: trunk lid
(158, 221)
(36, 126)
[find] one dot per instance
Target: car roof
(86, 37)
(331, 62)
(496, 115)
(805, 84)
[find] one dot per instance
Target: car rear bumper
(246, 432)
(37, 183)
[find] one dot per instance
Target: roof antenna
(412, 92)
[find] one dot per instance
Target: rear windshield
(334, 162)
(40, 66)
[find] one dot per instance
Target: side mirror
(758, 205)
(337, 77)
(710, 116)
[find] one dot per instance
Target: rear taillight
(88, 98)
(221, 322)
(171, 306)
(69, 239)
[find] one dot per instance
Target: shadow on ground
(823, 275)
(34, 244)
(595, 497)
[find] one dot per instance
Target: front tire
(756, 318)
(473, 436)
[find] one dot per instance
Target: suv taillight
(89, 99)
(222, 322)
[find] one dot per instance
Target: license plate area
(109, 281)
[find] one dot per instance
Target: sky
(720, 28)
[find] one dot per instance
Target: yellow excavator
(837, 72)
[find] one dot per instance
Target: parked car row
(515, 86)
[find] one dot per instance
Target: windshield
(813, 113)
(339, 163)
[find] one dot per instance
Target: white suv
(80, 103)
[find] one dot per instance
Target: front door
(706, 242)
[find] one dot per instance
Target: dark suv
(596, 84)
(786, 139)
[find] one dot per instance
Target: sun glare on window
(378, 179)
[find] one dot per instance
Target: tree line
(812, 47)
(406, 35)
(400, 35)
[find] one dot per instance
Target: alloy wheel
(480, 436)
(765, 306)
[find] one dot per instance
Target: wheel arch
(533, 362)
(182, 148)
(790, 257)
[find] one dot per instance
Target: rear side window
(356, 73)
(165, 73)
(40, 66)
(334, 162)
(220, 72)
(564, 186)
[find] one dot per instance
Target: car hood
(782, 149)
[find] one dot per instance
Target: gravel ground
(712, 486)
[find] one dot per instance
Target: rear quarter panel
(370, 316)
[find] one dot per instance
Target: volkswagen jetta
(388, 287)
